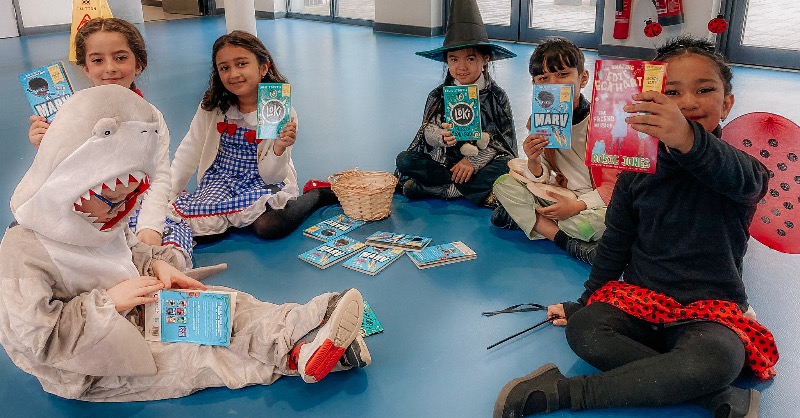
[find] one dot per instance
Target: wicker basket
(364, 195)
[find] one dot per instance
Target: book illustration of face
(545, 99)
(328, 232)
(340, 242)
(38, 86)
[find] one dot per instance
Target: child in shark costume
(73, 279)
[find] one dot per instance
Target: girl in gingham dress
(242, 180)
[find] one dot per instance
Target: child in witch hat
(432, 166)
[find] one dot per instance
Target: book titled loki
(274, 109)
(551, 113)
(462, 109)
(438, 255)
(46, 88)
(611, 142)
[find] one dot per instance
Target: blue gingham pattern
(231, 184)
(178, 234)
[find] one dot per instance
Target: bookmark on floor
(519, 308)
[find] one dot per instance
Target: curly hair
(554, 54)
(132, 37)
(690, 45)
(217, 95)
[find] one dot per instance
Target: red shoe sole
(323, 360)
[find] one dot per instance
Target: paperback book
(274, 109)
(47, 88)
(372, 260)
(331, 252)
(333, 227)
(442, 254)
(370, 324)
(383, 239)
(462, 108)
(194, 316)
(551, 115)
(611, 141)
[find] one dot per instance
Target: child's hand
(286, 138)
(557, 315)
(447, 137)
(660, 117)
(149, 237)
(563, 207)
(133, 292)
(173, 278)
(533, 146)
(38, 127)
(462, 171)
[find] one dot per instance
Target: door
(354, 12)
(762, 32)
(531, 20)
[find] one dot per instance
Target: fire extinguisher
(670, 12)
(622, 19)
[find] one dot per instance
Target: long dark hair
(132, 37)
(217, 95)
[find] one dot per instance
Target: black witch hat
(465, 30)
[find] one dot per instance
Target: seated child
(74, 279)
(432, 166)
(676, 329)
(574, 223)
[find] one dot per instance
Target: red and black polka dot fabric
(760, 348)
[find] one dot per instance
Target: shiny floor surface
(359, 96)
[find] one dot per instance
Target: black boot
(582, 250)
(500, 218)
(735, 403)
(535, 393)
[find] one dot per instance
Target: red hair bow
(230, 128)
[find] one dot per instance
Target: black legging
(649, 365)
(278, 223)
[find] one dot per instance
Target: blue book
(372, 260)
(333, 227)
(551, 113)
(331, 252)
(194, 316)
(441, 254)
(370, 324)
(383, 239)
(46, 88)
(274, 109)
(462, 108)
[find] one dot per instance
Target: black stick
(519, 333)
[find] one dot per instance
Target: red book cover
(611, 141)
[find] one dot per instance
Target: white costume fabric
(197, 152)
(57, 320)
(154, 201)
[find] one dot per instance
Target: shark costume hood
(103, 136)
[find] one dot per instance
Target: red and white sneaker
(317, 358)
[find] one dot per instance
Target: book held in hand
(274, 109)
(332, 227)
(193, 316)
(383, 239)
(442, 254)
(551, 113)
(371, 260)
(46, 88)
(331, 252)
(462, 109)
(611, 142)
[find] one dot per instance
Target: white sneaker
(317, 358)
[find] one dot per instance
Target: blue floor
(359, 96)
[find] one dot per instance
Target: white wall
(419, 13)
(8, 20)
(696, 14)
